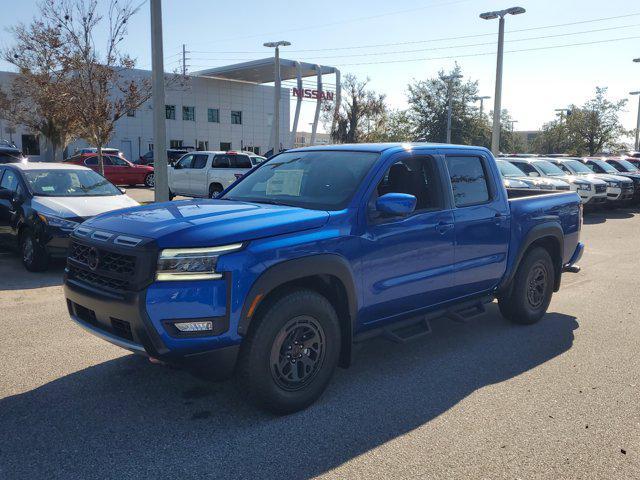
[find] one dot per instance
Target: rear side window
(221, 161)
(91, 161)
(200, 161)
(9, 181)
(468, 180)
(241, 161)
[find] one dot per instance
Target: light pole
(637, 143)
(482, 99)
(495, 135)
(161, 187)
(449, 79)
(276, 94)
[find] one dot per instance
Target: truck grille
(96, 279)
(601, 188)
(109, 261)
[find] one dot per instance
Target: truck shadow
(127, 418)
(602, 215)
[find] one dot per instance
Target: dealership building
(222, 108)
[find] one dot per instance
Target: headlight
(58, 222)
(191, 263)
(584, 187)
(613, 185)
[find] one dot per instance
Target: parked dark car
(10, 154)
(41, 204)
(173, 154)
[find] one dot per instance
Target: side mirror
(122, 189)
(395, 204)
(534, 174)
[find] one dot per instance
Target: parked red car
(117, 170)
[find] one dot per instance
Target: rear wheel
(290, 353)
(150, 180)
(215, 189)
(34, 255)
(532, 289)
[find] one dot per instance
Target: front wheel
(34, 255)
(150, 180)
(289, 356)
(215, 189)
(532, 289)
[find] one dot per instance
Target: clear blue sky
(535, 82)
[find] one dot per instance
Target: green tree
(428, 105)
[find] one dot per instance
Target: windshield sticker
(47, 189)
(285, 182)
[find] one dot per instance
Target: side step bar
(414, 328)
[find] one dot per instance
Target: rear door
(179, 175)
(481, 216)
(198, 184)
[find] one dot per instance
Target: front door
(179, 175)
(408, 260)
(198, 184)
(9, 182)
(481, 217)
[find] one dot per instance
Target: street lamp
(495, 135)
(512, 122)
(637, 143)
(449, 79)
(276, 95)
(482, 99)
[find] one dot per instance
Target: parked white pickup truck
(206, 174)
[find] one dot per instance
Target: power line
(395, 52)
(481, 54)
(580, 22)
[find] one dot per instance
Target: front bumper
(597, 199)
(123, 321)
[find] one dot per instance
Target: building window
(170, 112)
(213, 115)
(189, 114)
(175, 143)
(30, 145)
(236, 117)
(203, 145)
(151, 146)
(131, 113)
(225, 146)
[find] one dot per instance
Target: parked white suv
(206, 174)
(591, 192)
(619, 189)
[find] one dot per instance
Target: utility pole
(497, 107)
(161, 189)
(637, 142)
(449, 80)
(184, 60)
(276, 94)
(482, 99)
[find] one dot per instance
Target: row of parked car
(610, 181)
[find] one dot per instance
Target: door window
(221, 161)
(91, 161)
(200, 161)
(468, 180)
(241, 161)
(528, 169)
(9, 181)
(185, 162)
(117, 161)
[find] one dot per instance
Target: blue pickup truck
(313, 251)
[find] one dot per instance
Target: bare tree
(41, 97)
(105, 85)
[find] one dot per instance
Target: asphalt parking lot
(485, 399)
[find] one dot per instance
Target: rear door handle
(443, 227)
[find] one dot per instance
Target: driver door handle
(443, 227)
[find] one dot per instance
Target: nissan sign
(315, 94)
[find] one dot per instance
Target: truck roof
(381, 147)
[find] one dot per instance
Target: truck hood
(200, 223)
(80, 207)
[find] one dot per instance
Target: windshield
(605, 166)
(549, 169)
(578, 167)
(69, 183)
(509, 169)
(627, 166)
(322, 180)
